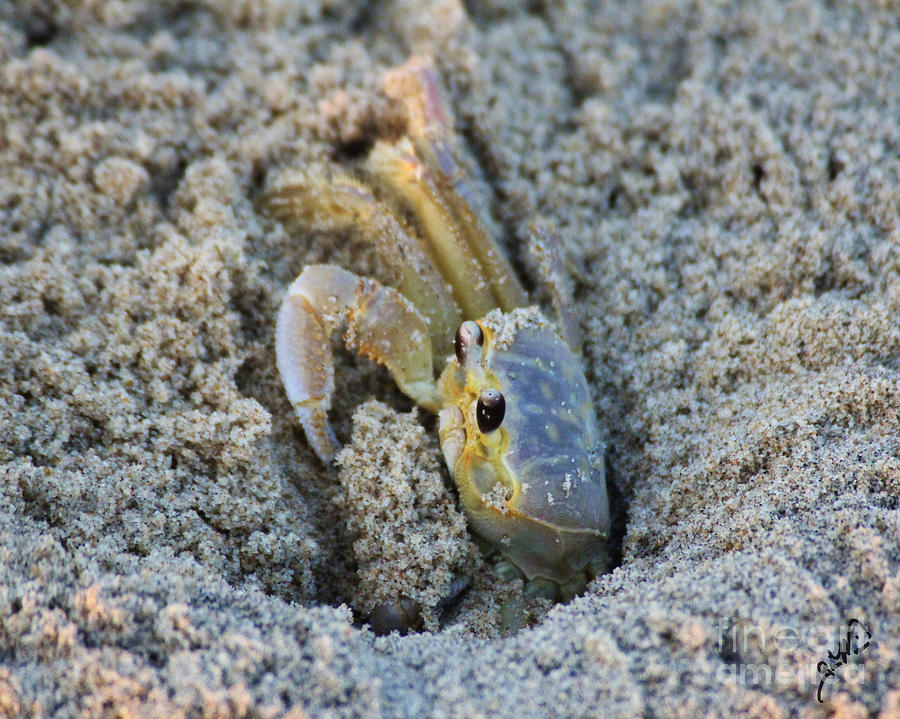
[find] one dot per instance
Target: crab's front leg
(381, 324)
(332, 200)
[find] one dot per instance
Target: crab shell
(552, 517)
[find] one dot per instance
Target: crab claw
(381, 324)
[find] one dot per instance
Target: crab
(516, 421)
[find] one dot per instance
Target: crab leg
(337, 201)
(430, 129)
(381, 324)
(397, 167)
(476, 270)
(546, 251)
(429, 124)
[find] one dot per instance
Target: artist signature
(856, 639)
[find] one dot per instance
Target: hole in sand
(396, 532)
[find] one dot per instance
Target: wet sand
(727, 183)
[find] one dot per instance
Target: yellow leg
(336, 201)
(430, 130)
(397, 167)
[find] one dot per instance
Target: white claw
(304, 361)
(381, 324)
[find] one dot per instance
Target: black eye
(469, 334)
(490, 410)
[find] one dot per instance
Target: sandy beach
(726, 181)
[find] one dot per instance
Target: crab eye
(490, 410)
(468, 334)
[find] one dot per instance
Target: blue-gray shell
(554, 451)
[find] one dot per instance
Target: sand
(726, 179)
